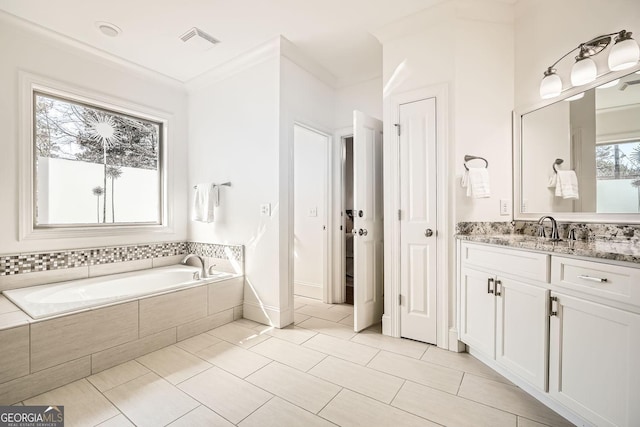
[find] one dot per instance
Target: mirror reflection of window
(94, 165)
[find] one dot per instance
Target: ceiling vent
(199, 39)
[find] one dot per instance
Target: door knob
(360, 214)
(428, 232)
(362, 232)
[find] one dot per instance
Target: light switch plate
(265, 209)
(505, 207)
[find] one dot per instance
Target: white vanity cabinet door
(522, 330)
(594, 361)
(477, 310)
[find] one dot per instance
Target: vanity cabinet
(594, 359)
(575, 336)
(503, 315)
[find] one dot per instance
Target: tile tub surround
(49, 353)
(36, 268)
(604, 241)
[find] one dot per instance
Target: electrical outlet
(313, 211)
(525, 205)
(265, 209)
(505, 207)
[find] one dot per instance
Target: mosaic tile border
(54, 260)
(214, 250)
(584, 231)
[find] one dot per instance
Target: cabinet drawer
(530, 265)
(609, 281)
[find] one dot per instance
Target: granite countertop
(610, 249)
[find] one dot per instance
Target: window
(618, 176)
(96, 164)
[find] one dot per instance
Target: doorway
(347, 215)
(310, 212)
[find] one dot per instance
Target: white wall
(467, 46)
(547, 29)
(233, 136)
(40, 52)
(310, 158)
(365, 97)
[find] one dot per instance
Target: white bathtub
(64, 297)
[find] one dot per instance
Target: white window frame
(28, 229)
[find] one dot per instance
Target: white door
(478, 311)
(593, 361)
(367, 204)
(418, 232)
(522, 330)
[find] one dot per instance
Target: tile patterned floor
(315, 373)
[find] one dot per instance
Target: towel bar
(557, 162)
(226, 184)
(468, 158)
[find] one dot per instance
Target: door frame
(328, 202)
(445, 214)
(339, 293)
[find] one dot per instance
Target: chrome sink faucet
(204, 270)
(555, 235)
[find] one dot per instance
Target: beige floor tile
(299, 318)
(310, 301)
(174, 364)
(323, 313)
(291, 333)
(290, 354)
(150, 401)
(524, 422)
(197, 343)
(347, 350)
(462, 362)
(344, 308)
(113, 377)
(298, 303)
(329, 328)
(117, 421)
(347, 321)
(201, 417)
(395, 345)
(250, 324)
(83, 404)
(238, 335)
(233, 359)
(371, 383)
(350, 409)
(279, 413)
(449, 410)
(226, 394)
(299, 388)
(435, 376)
(508, 398)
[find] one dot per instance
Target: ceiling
(334, 33)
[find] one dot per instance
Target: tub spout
(203, 273)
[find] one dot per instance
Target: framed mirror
(590, 137)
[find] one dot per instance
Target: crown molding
(99, 54)
(295, 55)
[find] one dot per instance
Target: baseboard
(308, 290)
(267, 315)
(454, 342)
(386, 325)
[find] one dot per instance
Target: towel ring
(557, 162)
(468, 158)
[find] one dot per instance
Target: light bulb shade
(550, 86)
(583, 71)
(624, 54)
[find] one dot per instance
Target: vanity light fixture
(612, 83)
(624, 54)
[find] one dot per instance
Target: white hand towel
(553, 181)
(464, 182)
(567, 185)
(478, 186)
(204, 201)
